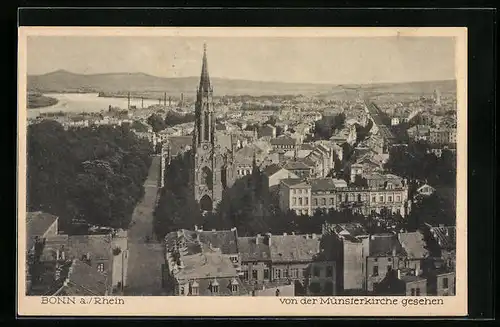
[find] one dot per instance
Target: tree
(91, 174)
(156, 122)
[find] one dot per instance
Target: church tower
(208, 172)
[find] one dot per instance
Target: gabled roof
(82, 280)
(38, 222)
(322, 184)
(251, 250)
(272, 169)
(293, 248)
(414, 245)
(294, 165)
(384, 244)
(295, 182)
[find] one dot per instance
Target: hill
(120, 83)
(140, 84)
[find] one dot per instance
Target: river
(86, 102)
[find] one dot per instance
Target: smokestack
(142, 102)
(165, 99)
(128, 98)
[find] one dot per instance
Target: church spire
(205, 78)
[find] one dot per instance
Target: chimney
(63, 255)
(313, 236)
(233, 229)
(195, 228)
(399, 273)
(284, 234)
(257, 239)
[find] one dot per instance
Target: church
(213, 151)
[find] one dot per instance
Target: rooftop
(414, 245)
(382, 245)
(81, 279)
(284, 140)
(296, 165)
(37, 224)
(292, 248)
(253, 250)
(208, 263)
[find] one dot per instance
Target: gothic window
(207, 177)
(223, 177)
(206, 203)
(207, 127)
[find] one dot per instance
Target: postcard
(188, 171)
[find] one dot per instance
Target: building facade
(213, 159)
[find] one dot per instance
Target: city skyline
(390, 59)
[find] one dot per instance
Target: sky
(331, 60)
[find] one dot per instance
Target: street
(145, 253)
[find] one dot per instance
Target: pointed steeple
(205, 78)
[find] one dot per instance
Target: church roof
(205, 78)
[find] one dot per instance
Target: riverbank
(40, 101)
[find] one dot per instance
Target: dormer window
(195, 288)
(214, 287)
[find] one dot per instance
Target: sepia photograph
(318, 169)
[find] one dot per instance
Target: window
(412, 292)
(398, 198)
(329, 271)
(398, 211)
(445, 282)
(300, 201)
(316, 271)
(194, 290)
(294, 273)
(306, 201)
(245, 274)
(323, 201)
(277, 273)
(304, 272)
(389, 259)
(375, 271)
(100, 267)
(234, 288)
(254, 274)
(215, 289)
(315, 202)
(374, 199)
(332, 201)
(339, 197)
(381, 198)
(389, 267)
(376, 259)
(389, 198)
(294, 201)
(417, 291)
(285, 273)
(266, 273)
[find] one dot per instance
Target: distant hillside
(64, 81)
(153, 87)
